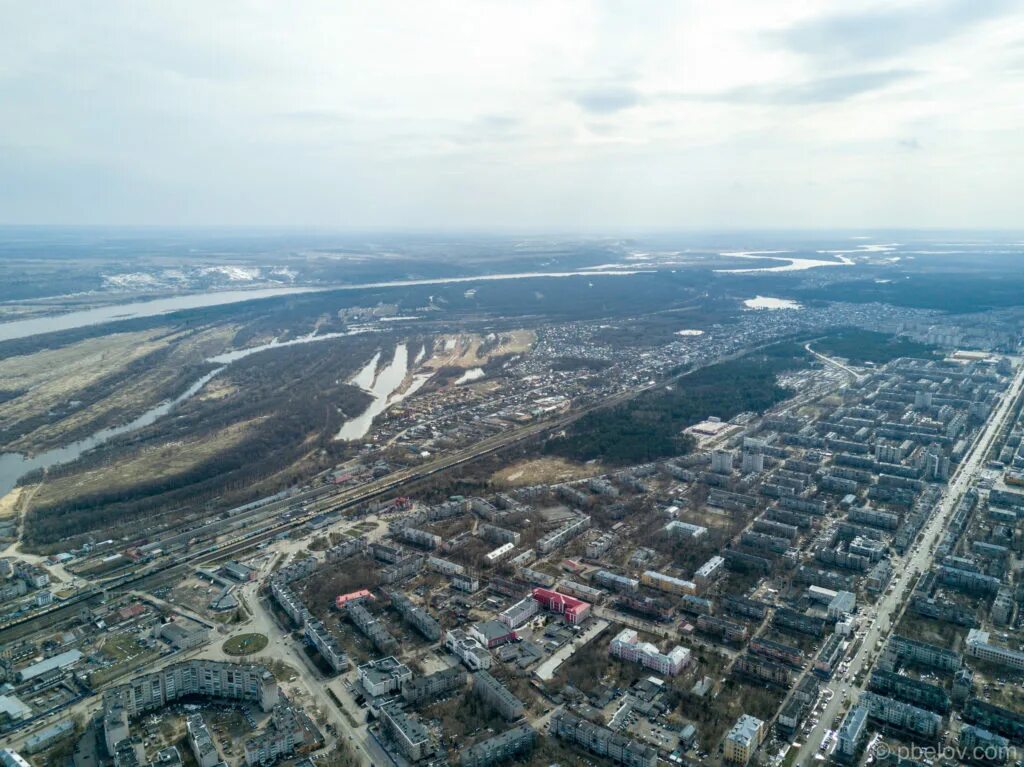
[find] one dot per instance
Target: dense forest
(651, 426)
(859, 346)
(951, 292)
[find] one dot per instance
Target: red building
(574, 610)
(342, 599)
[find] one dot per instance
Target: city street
(882, 617)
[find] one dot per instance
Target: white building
(383, 676)
(516, 615)
(708, 571)
(626, 645)
(500, 553)
(473, 654)
(721, 461)
(978, 646)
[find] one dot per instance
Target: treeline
(859, 346)
(956, 293)
(572, 364)
(650, 427)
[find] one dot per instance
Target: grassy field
(9, 503)
(245, 644)
(69, 393)
(164, 460)
(126, 653)
(121, 647)
(547, 470)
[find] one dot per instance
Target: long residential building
(374, 630)
(667, 583)
(602, 741)
(284, 735)
(497, 695)
(433, 686)
(202, 678)
(564, 534)
(500, 748)
(407, 733)
(902, 716)
(913, 651)
(417, 616)
(326, 644)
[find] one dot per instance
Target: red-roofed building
(574, 610)
(343, 599)
(131, 611)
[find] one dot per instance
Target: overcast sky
(581, 116)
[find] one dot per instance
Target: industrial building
(978, 646)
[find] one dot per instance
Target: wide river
(70, 320)
(98, 316)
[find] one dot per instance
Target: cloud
(535, 114)
(607, 100)
(886, 31)
(820, 91)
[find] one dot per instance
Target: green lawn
(245, 644)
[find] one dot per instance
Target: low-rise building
(492, 634)
(467, 649)
(383, 676)
(574, 610)
(978, 646)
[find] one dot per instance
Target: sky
(518, 115)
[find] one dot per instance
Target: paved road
(835, 363)
(885, 614)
